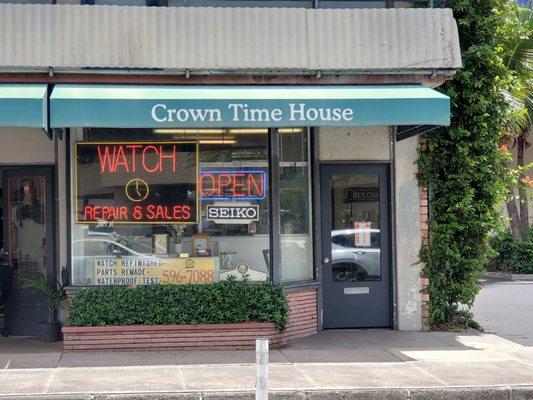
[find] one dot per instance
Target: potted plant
(54, 294)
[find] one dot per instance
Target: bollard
(261, 361)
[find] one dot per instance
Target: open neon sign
(233, 185)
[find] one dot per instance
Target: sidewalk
(330, 365)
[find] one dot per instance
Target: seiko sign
(232, 214)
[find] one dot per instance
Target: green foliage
(519, 59)
(220, 303)
(53, 292)
(512, 255)
(462, 164)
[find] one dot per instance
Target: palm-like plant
(520, 99)
(53, 292)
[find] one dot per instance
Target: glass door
(27, 244)
(355, 246)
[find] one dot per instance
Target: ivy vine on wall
(462, 165)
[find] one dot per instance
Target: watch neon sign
(233, 185)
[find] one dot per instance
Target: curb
(452, 393)
(510, 277)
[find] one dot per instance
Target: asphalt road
(506, 308)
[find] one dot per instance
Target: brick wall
(424, 232)
(303, 316)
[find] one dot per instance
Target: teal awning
(121, 106)
(24, 106)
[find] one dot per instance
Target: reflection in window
(355, 224)
(148, 3)
(351, 4)
(241, 3)
(295, 205)
(26, 221)
(233, 179)
(26, 2)
(232, 233)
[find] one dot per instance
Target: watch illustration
(137, 190)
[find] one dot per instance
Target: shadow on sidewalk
(333, 346)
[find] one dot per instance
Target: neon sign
(136, 182)
(233, 185)
(130, 158)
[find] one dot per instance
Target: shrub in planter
(219, 303)
(512, 255)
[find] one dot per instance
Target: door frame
(54, 231)
(317, 218)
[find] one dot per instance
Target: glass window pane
(26, 1)
(295, 205)
(149, 3)
(234, 181)
(26, 219)
(119, 247)
(355, 228)
(351, 4)
(241, 3)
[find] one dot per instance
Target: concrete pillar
(408, 236)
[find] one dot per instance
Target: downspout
(394, 249)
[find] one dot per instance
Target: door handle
(325, 260)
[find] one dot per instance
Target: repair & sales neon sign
(136, 182)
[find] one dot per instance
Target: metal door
(28, 243)
(355, 246)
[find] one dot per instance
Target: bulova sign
(361, 195)
(231, 213)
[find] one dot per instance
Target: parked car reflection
(351, 263)
(86, 251)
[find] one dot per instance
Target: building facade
(188, 142)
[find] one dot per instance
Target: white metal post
(261, 361)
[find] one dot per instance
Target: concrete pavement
(339, 364)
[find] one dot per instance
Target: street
(505, 308)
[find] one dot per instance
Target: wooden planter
(302, 322)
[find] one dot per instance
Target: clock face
(137, 190)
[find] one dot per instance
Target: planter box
(302, 322)
(145, 337)
(510, 276)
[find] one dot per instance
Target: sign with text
(155, 271)
(250, 106)
(360, 195)
(232, 213)
(233, 185)
(362, 234)
(242, 113)
(136, 182)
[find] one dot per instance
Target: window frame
(273, 148)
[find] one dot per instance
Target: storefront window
(242, 3)
(169, 206)
(295, 205)
(234, 202)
